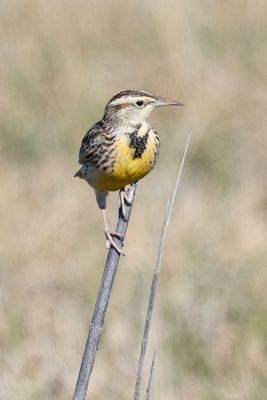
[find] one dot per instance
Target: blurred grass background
(60, 63)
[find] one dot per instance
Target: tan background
(60, 63)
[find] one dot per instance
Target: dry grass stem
(156, 277)
(103, 296)
(148, 390)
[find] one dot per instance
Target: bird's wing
(91, 142)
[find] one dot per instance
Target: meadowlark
(120, 149)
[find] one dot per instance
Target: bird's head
(134, 106)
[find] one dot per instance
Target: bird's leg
(109, 235)
(123, 199)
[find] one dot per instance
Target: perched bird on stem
(120, 149)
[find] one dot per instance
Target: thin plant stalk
(148, 389)
(102, 301)
(155, 278)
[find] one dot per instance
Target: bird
(120, 149)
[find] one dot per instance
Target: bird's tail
(79, 173)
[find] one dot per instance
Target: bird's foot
(110, 242)
(123, 199)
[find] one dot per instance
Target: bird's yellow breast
(127, 166)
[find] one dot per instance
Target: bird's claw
(123, 199)
(110, 242)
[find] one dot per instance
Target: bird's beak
(160, 101)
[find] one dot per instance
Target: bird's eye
(139, 103)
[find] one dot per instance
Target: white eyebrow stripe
(130, 99)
